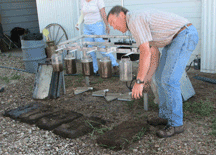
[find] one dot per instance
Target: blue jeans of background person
(97, 29)
(173, 61)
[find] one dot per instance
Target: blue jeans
(97, 29)
(172, 64)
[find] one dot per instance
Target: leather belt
(184, 27)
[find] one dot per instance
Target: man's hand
(137, 91)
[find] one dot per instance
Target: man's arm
(144, 61)
(144, 66)
(155, 55)
(104, 16)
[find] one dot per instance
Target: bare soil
(17, 137)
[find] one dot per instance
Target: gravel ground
(21, 138)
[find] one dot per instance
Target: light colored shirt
(91, 11)
(153, 26)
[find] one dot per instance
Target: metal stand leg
(145, 99)
(87, 80)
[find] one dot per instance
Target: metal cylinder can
(57, 62)
(50, 49)
(105, 67)
(125, 69)
(70, 63)
(87, 66)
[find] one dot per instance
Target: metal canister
(105, 67)
(57, 62)
(70, 62)
(125, 68)
(50, 49)
(87, 66)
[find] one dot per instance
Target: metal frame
(77, 44)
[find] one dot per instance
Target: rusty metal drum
(105, 67)
(87, 66)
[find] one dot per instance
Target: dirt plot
(28, 139)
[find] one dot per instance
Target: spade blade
(80, 90)
(125, 97)
(111, 96)
(100, 92)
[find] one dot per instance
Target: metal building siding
(19, 13)
(63, 12)
(208, 54)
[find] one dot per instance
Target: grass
(15, 77)
(139, 135)
(213, 126)
(99, 80)
(7, 79)
(78, 80)
(98, 130)
(202, 108)
(4, 78)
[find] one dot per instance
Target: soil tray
(15, 113)
(122, 135)
(78, 127)
(34, 115)
(57, 118)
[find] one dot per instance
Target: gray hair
(116, 10)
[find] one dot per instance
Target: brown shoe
(156, 121)
(169, 131)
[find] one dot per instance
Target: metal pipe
(145, 99)
(107, 36)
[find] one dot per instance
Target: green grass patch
(97, 130)
(15, 77)
(78, 80)
(202, 108)
(4, 78)
(213, 126)
(139, 135)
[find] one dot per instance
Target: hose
(130, 87)
(14, 69)
(34, 73)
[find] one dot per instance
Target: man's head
(117, 18)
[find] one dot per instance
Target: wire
(190, 66)
(130, 87)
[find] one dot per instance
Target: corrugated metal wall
(63, 12)
(208, 54)
(19, 13)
